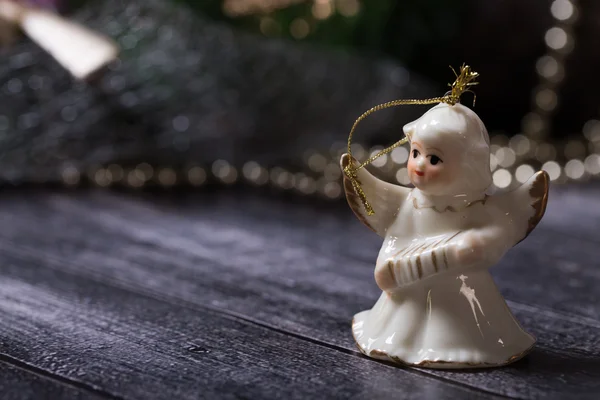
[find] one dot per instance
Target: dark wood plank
(276, 265)
(21, 384)
(138, 347)
(556, 273)
(571, 259)
(332, 236)
(574, 209)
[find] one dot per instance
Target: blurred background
(264, 92)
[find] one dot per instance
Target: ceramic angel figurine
(440, 307)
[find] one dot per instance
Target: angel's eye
(415, 153)
(434, 160)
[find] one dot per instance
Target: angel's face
(430, 168)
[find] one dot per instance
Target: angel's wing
(523, 208)
(385, 198)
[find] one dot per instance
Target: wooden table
(237, 294)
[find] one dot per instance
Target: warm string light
(550, 68)
(220, 172)
(237, 8)
(581, 152)
(551, 71)
(300, 27)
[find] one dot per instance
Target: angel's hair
(460, 130)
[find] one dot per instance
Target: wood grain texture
(20, 384)
(135, 346)
(574, 210)
(301, 270)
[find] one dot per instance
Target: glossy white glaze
(440, 307)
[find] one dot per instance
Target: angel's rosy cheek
(434, 172)
(410, 166)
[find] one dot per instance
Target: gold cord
(460, 86)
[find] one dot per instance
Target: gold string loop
(461, 85)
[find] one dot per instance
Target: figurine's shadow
(567, 372)
(564, 365)
(543, 369)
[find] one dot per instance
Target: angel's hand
(431, 256)
(469, 249)
(385, 275)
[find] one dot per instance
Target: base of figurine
(437, 364)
